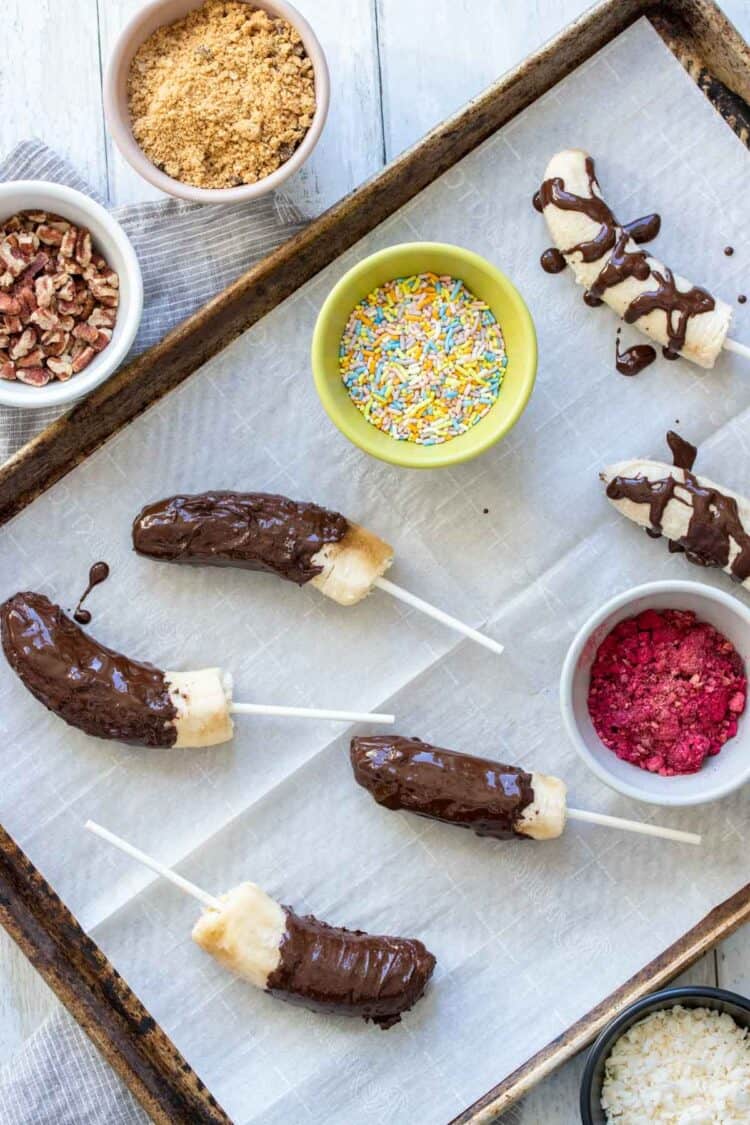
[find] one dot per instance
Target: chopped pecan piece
(11, 256)
(9, 306)
(24, 344)
(35, 358)
(35, 376)
(49, 235)
(45, 319)
(84, 248)
(55, 342)
(83, 359)
(44, 287)
(103, 318)
(61, 366)
(35, 266)
(27, 302)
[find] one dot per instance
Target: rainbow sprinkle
(422, 358)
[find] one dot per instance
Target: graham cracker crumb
(222, 97)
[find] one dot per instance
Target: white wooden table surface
(397, 68)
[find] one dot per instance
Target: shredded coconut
(679, 1066)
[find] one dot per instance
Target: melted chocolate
(678, 306)
(620, 265)
(633, 360)
(89, 686)
(592, 301)
(536, 200)
(669, 354)
(644, 229)
(715, 522)
(609, 245)
(253, 530)
(741, 299)
(348, 972)
(553, 191)
(99, 573)
(552, 260)
(729, 250)
(475, 793)
(683, 452)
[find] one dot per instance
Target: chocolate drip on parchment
(610, 246)
(348, 972)
(683, 452)
(552, 260)
(406, 773)
(634, 359)
(98, 573)
(715, 523)
(252, 530)
(89, 686)
(644, 229)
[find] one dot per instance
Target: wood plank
(351, 148)
(424, 81)
(53, 91)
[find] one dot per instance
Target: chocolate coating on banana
(406, 773)
(251, 530)
(349, 972)
(88, 685)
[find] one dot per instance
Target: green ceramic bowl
(487, 283)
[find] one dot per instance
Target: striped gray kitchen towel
(188, 253)
(59, 1078)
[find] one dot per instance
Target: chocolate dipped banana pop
(108, 695)
(259, 531)
(709, 523)
(490, 798)
(684, 318)
(298, 958)
(297, 541)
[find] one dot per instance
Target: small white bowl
(143, 24)
(720, 774)
(109, 240)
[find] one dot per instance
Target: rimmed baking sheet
(528, 938)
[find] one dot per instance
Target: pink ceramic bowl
(160, 12)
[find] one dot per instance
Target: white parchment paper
(528, 937)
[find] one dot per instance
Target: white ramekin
(145, 23)
(109, 240)
(720, 774)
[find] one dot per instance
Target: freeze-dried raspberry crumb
(666, 691)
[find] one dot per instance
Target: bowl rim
(647, 589)
(57, 393)
(396, 452)
(609, 1035)
(120, 127)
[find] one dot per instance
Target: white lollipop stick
(438, 614)
(311, 713)
(740, 349)
(634, 826)
(167, 872)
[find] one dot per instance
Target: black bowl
(738, 1007)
